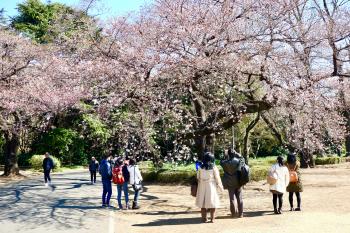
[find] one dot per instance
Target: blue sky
(107, 8)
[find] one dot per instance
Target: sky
(106, 8)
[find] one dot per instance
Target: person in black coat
(230, 180)
(47, 167)
(93, 168)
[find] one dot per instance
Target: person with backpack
(105, 171)
(295, 185)
(234, 179)
(48, 165)
(135, 181)
(278, 187)
(207, 197)
(121, 178)
(93, 168)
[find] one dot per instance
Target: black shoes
(297, 209)
(135, 206)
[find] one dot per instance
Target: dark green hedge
(329, 160)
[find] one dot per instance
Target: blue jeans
(136, 195)
(107, 190)
(120, 188)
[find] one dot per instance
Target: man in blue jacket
(47, 166)
(105, 171)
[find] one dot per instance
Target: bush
(329, 160)
(36, 162)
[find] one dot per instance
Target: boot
(135, 206)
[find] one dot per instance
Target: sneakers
(297, 209)
(135, 206)
(46, 185)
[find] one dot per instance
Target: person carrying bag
(135, 181)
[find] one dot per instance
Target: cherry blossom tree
(34, 80)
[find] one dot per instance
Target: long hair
(208, 161)
(280, 161)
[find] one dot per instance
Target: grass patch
(330, 160)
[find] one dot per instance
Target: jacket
(105, 170)
(48, 164)
(282, 176)
(93, 166)
(231, 167)
(126, 173)
(135, 174)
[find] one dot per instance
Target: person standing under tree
(295, 186)
(47, 167)
(105, 171)
(93, 168)
(230, 181)
(281, 173)
(135, 180)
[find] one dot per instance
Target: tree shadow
(32, 203)
(248, 214)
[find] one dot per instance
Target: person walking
(135, 181)
(105, 171)
(121, 177)
(93, 168)
(281, 173)
(208, 177)
(231, 166)
(295, 186)
(48, 165)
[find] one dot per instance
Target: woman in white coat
(208, 181)
(135, 181)
(281, 173)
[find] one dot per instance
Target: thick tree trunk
(347, 137)
(12, 143)
(306, 159)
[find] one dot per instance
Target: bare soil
(325, 208)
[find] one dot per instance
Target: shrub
(329, 160)
(36, 162)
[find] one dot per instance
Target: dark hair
(132, 162)
(119, 162)
(280, 161)
(208, 161)
(291, 158)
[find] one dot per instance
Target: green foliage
(36, 162)
(42, 22)
(329, 160)
(65, 143)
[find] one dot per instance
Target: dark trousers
(93, 176)
(236, 196)
(47, 176)
(280, 201)
(107, 191)
(297, 194)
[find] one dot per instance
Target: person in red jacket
(121, 178)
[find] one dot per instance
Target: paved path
(74, 206)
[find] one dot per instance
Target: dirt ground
(325, 208)
(73, 205)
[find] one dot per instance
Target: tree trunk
(306, 159)
(246, 137)
(347, 137)
(12, 143)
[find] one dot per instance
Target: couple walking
(209, 182)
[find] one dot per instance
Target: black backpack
(243, 173)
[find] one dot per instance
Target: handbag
(136, 186)
(293, 175)
(194, 188)
(271, 179)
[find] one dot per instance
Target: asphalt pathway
(72, 204)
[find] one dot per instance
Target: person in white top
(207, 197)
(135, 181)
(281, 173)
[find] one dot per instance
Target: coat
(93, 166)
(48, 164)
(231, 168)
(298, 186)
(282, 175)
(208, 182)
(135, 174)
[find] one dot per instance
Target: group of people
(210, 182)
(121, 173)
(285, 177)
